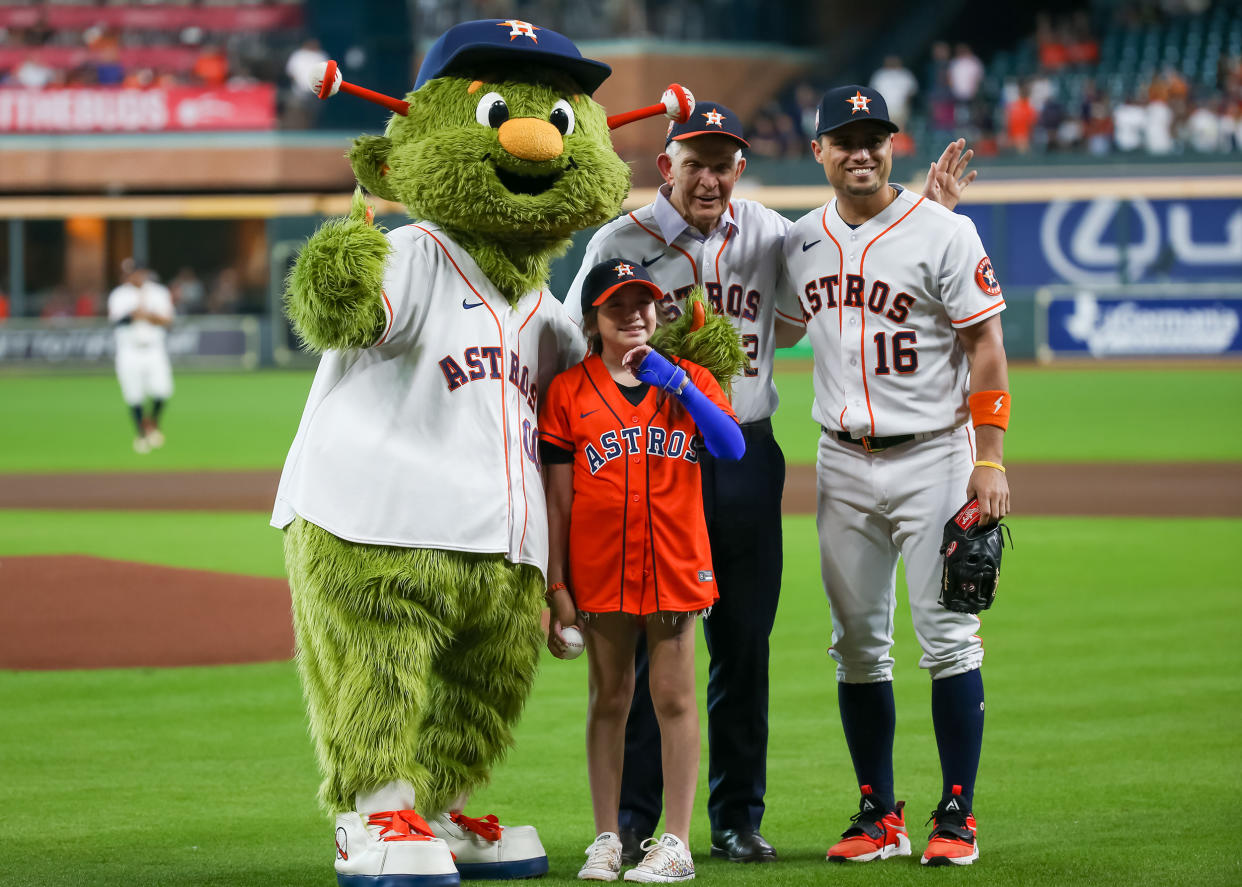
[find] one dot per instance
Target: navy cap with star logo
(609, 276)
(707, 118)
(504, 42)
(849, 104)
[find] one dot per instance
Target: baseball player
(142, 311)
(911, 391)
(628, 542)
(696, 234)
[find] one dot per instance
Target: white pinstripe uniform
(142, 365)
(882, 304)
(738, 265)
(454, 381)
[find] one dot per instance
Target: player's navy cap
(506, 41)
(607, 277)
(849, 104)
(708, 118)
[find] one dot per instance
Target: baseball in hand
(574, 644)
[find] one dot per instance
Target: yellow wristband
(983, 463)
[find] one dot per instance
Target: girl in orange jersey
(628, 546)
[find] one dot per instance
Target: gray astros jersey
(441, 410)
(739, 267)
(883, 303)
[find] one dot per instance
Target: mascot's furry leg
(415, 664)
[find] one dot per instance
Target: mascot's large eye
(492, 110)
(562, 117)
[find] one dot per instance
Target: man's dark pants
(742, 502)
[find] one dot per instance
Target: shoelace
(949, 824)
(486, 827)
(603, 854)
(661, 855)
(405, 825)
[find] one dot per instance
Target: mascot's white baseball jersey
(882, 303)
(142, 365)
(382, 426)
(739, 267)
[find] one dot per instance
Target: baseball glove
(972, 559)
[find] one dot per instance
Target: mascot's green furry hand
(333, 296)
(701, 336)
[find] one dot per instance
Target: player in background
(911, 391)
(141, 310)
(628, 546)
(696, 233)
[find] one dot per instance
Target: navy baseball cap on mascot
(493, 40)
(849, 104)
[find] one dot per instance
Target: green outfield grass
(1110, 755)
(247, 420)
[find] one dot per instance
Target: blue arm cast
(720, 431)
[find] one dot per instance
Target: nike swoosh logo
(466, 304)
(584, 415)
(806, 246)
(652, 260)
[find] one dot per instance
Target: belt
(759, 426)
(874, 444)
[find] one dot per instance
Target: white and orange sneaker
(484, 849)
(876, 833)
(385, 842)
(953, 839)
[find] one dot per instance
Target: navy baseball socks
(878, 829)
(957, 715)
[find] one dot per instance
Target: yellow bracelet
(983, 463)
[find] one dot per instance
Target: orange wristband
(990, 408)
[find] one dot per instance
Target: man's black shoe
(632, 852)
(741, 845)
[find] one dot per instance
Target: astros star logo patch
(624, 270)
(859, 102)
(519, 28)
(985, 277)
(714, 118)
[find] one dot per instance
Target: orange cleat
(953, 839)
(876, 833)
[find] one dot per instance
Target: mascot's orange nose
(531, 138)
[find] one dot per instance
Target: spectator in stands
(965, 73)
(790, 134)
(108, 68)
(226, 295)
(211, 68)
(895, 82)
(941, 107)
(87, 304)
(1167, 86)
(302, 106)
(806, 97)
(1202, 131)
(188, 293)
(764, 140)
(1020, 117)
(4, 306)
(33, 74)
(1158, 127)
(1097, 122)
(1084, 48)
(1129, 123)
(1051, 44)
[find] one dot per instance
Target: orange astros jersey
(637, 537)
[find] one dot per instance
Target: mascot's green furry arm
(415, 524)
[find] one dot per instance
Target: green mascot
(412, 503)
